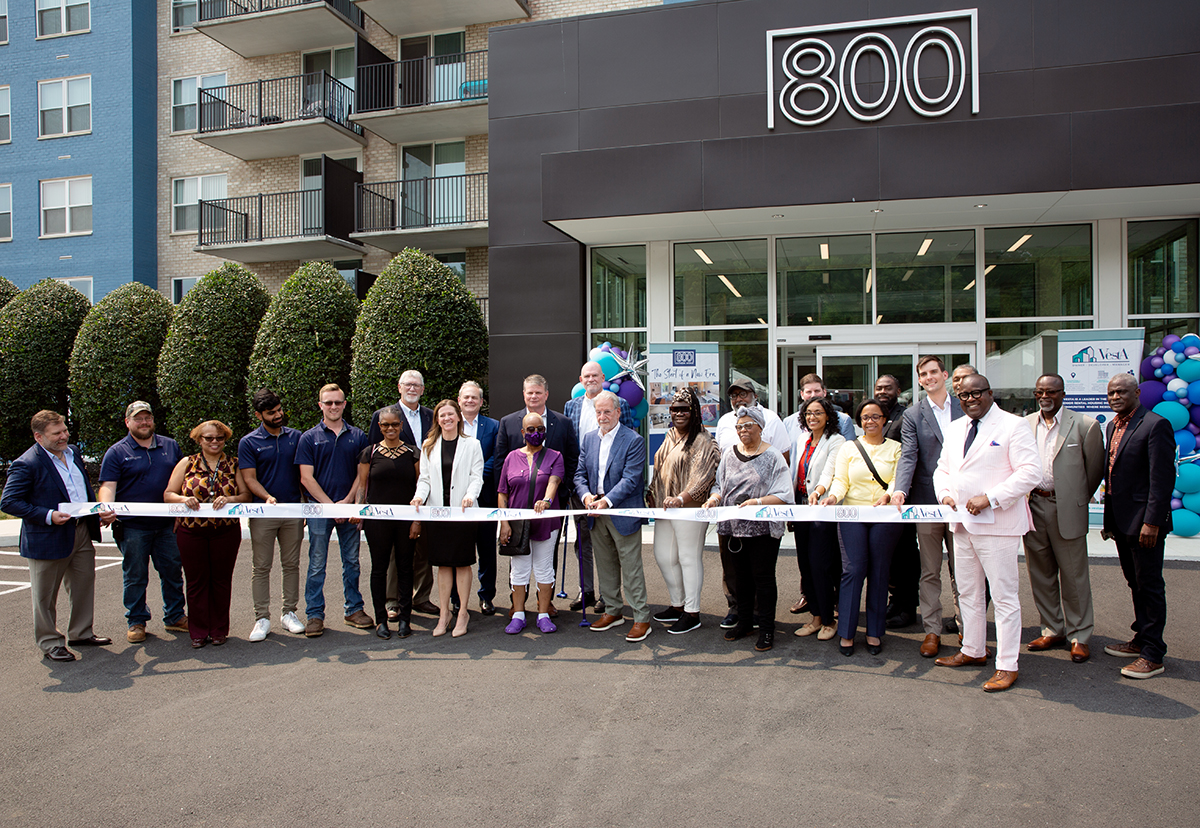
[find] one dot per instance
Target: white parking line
(16, 586)
(22, 568)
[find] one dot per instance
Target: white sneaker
(291, 623)
(261, 627)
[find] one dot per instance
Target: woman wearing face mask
(540, 469)
(685, 466)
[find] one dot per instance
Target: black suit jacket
(1138, 488)
(560, 436)
(374, 435)
(34, 487)
(894, 425)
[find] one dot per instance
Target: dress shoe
(1045, 642)
(799, 607)
(730, 621)
(218, 640)
(383, 632)
(137, 634)
(393, 615)
(1080, 653)
(607, 622)
(846, 649)
(931, 645)
(360, 620)
(403, 629)
(874, 649)
(587, 599)
(91, 641)
(1140, 669)
(1000, 680)
(826, 633)
(1126, 649)
(600, 606)
(59, 653)
(810, 628)
(486, 607)
(904, 618)
(960, 659)
(638, 631)
(197, 643)
(427, 608)
(739, 631)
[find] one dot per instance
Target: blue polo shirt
(141, 474)
(334, 457)
(274, 462)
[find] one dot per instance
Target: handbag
(518, 541)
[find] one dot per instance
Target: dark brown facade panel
(659, 123)
(538, 69)
(536, 289)
(516, 356)
(516, 146)
(660, 178)
(1074, 32)
(1136, 147)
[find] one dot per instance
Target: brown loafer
(799, 607)
(1045, 642)
(960, 659)
(1000, 680)
(931, 645)
(1080, 653)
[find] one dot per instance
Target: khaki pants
(1058, 575)
(264, 534)
(78, 571)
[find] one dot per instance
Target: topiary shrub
(202, 367)
(115, 361)
(37, 330)
(304, 341)
(8, 291)
(417, 315)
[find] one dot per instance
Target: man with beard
(267, 458)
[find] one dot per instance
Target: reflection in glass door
(850, 378)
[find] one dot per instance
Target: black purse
(518, 541)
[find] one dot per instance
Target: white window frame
(4, 17)
(67, 206)
(6, 110)
(79, 283)
(199, 179)
(7, 188)
(178, 4)
(46, 5)
(178, 290)
(64, 85)
(195, 104)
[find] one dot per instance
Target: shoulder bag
(518, 541)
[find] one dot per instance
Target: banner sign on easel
(1088, 359)
(673, 365)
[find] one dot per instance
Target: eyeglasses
(216, 438)
(333, 403)
(1049, 393)
(870, 418)
(973, 395)
(746, 426)
(536, 430)
(411, 385)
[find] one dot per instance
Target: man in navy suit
(414, 425)
(612, 462)
(58, 546)
(483, 429)
(922, 430)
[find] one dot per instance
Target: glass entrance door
(850, 376)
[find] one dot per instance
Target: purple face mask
(536, 438)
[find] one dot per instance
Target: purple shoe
(546, 625)
(515, 626)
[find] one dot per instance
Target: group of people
(1013, 479)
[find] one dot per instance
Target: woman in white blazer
(813, 460)
(451, 475)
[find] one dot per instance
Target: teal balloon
(1175, 413)
(579, 391)
(640, 411)
(1188, 370)
(609, 365)
(1186, 523)
(1187, 478)
(1191, 502)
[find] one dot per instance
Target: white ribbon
(800, 514)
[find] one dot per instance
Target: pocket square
(994, 443)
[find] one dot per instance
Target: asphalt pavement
(580, 728)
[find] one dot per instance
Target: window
(83, 284)
(1162, 267)
(186, 194)
(183, 99)
(5, 212)
(1042, 271)
(823, 280)
(456, 261)
(56, 17)
(182, 285)
(65, 106)
(925, 278)
(619, 287)
(3, 21)
(721, 283)
(67, 206)
(183, 14)
(5, 128)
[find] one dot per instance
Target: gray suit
(921, 446)
(1056, 547)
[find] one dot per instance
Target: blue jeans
(138, 548)
(319, 530)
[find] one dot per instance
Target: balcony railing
(276, 101)
(421, 202)
(211, 10)
(458, 78)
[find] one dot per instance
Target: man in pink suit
(988, 466)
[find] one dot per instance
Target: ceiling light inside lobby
(703, 256)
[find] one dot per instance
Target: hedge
(115, 361)
(37, 330)
(202, 367)
(304, 341)
(417, 315)
(8, 291)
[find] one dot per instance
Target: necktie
(971, 436)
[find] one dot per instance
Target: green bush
(37, 330)
(115, 361)
(202, 367)
(8, 291)
(417, 315)
(304, 341)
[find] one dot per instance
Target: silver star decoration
(631, 367)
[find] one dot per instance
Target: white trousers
(993, 557)
(540, 559)
(679, 550)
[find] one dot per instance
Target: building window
(186, 194)
(456, 261)
(925, 278)
(5, 127)
(183, 99)
(1162, 267)
(65, 106)
(56, 17)
(434, 189)
(180, 286)
(5, 212)
(67, 206)
(183, 14)
(824, 280)
(83, 284)
(1042, 271)
(618, 287)
(721, 283)
(3, 21)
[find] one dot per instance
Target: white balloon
(1179, 386)
(1173, 357)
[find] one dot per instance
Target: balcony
(426, 99)
(300, 115)
(401, 17)
(271, 227)
(254, 28)
(443, 213)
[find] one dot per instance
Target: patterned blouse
(204, 484)
(678, 469)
